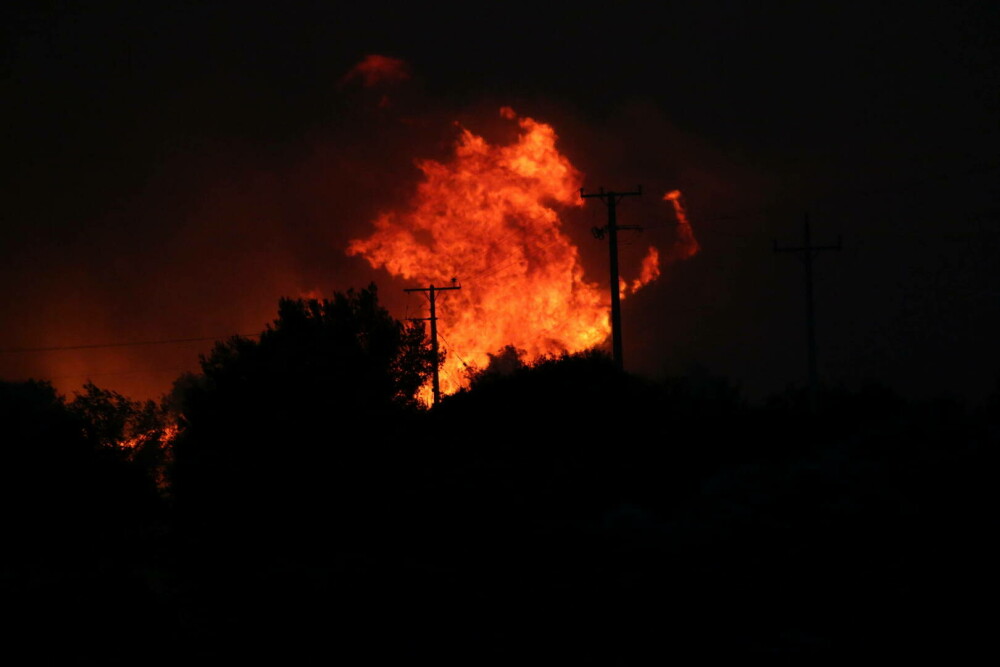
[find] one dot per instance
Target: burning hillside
(489, 218)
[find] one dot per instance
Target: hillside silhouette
(564, 510)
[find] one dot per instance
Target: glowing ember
(156, 447)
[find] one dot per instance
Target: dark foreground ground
(517, 528)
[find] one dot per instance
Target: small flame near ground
(489, 217)
(161, 440)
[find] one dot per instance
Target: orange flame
(649, 270)
(163, 438)
(686, 245)
(488, 217)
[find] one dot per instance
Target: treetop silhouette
(276, 425)
(344, 353)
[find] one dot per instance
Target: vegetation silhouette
(564, 509)
(280, 434)
(79, 519)
(139, 431)
(64, 486)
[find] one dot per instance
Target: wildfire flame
(649, 270)
(488, 216)
(686, 245)
(158, 438)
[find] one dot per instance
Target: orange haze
(375, 69)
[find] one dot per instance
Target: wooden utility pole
(611, 200)
(807, 252)
(436, 386)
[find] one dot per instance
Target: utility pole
(611, 200)
(436, 386)
(807, 252)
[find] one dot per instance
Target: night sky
(170, 172)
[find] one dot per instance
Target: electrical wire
(448, 347)
(148, 371)
(96, 346)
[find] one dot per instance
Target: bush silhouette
(277, 432)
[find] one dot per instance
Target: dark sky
(170, 172)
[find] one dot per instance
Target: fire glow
(686, 245)
(376, 69)
(488, 217)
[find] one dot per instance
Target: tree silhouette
(505, 362)
(276, 430)
(61, 487)
(335, 354)
(80, 519)
(138, 431)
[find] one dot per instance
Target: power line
(96, 346)
(452, 348)
(149, 371)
